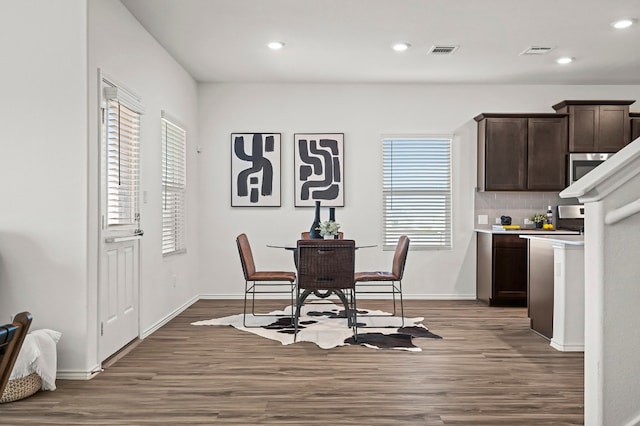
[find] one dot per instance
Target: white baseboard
(566, 347)
(232, 297)
(78, 375)
(405, 296)
(169, 317)
(439, 296)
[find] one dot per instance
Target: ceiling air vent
(442, 50)
(536, 50)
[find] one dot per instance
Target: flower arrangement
(328, 227)
(538, 218)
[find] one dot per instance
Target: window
(174, 185)
(417, 192)
(122, 161)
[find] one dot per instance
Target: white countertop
(526, 231)
(573, 240)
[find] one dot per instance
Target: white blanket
(38, 355)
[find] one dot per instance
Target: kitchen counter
(527, 231)
(502, 265)
(558, 239)
(556, 289)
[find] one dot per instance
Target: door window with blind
(174, 185)
(121, 133)
(417, 192)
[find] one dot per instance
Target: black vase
(314, 232)
(332, 217)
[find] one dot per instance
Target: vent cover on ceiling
(442, 50)
(536, 50)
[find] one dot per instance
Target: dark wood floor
(489, 369)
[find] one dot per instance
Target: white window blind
(122, 133)
(417, 192)
(174, 185)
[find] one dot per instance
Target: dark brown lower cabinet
(501, 269)
(540, 287)
(635, 125)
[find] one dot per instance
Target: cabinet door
(635, 129)
(613, 132)
(509, 270)
(541, 287)
(484, 267)
(583, 128)
(506, 154)
(547, 154)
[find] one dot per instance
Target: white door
(120, 234)
(118, 296)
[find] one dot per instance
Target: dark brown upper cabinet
(597, 126)
(522, 152)
(635, 125)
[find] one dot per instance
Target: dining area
(324, 271)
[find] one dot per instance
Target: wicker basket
(21, 388)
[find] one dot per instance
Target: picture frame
(319, 169)
(255, 169)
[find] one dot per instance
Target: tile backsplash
(518, 205)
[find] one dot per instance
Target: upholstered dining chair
(326, 267)
(262, 282)
(11, 339)
(387, 282)
(305, 235)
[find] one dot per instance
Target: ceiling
(349, 41)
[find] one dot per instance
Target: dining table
(293, 247)
(318, 293)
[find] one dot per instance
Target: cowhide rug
(325, 325)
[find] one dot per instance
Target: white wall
(43, 217)
(49, 163)
(363, 113)
(611, 249)
(49, 166)
(48, 226)
(618, 374)
(126, 52)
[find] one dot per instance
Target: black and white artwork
(255, 169)
(319, 169)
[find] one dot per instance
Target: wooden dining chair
(387, 282)
(11, 339)
(326, 267)
(258, 282)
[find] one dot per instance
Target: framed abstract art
(255, 169)
(319, 169)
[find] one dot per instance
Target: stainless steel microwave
(580, 164)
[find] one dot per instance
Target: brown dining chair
(326, 267)
(11, 339)
(305, 235)
(383, 282)
(262, 282)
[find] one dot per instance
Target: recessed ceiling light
(564, 60)
(401, 47)
(275, 45)
(623, 23)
